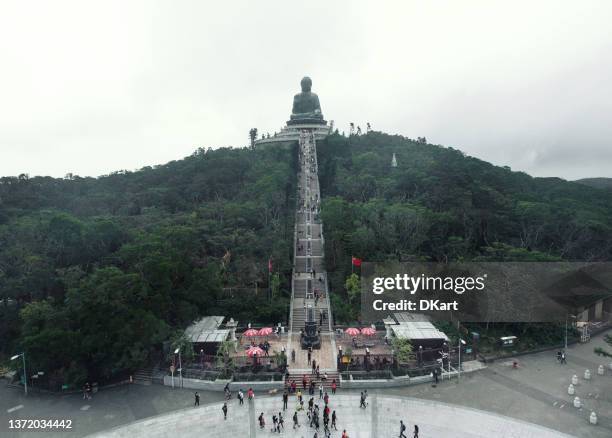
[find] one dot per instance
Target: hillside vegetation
(441, 205)
(96, 272)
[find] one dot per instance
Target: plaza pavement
(379, 419)
(536, 392)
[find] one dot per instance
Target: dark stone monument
(306, 106)
(310, 337)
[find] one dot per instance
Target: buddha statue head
(306, 84)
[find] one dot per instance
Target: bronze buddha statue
(306, 106)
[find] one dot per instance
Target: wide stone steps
(302, 287)
(309, 247)
(144, 376)
(298, 376)
(299, 319)
(307, 264)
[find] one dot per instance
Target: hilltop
(598, 183)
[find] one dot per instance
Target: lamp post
(461, 342)
(566, 317)
(178, 351)
(25, 373)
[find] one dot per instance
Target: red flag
(270, 265)
(356, 261)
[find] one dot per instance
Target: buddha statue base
(306, 121)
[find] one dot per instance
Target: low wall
(392, 383)
(219, 385)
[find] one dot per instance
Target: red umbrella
(254, 351)
(250, 332)
(352, 331)
(265, 331)
(368, 331)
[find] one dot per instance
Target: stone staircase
(298, 376)
(299, 318)
(309, 276)
(143, 376)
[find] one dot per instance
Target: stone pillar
(388, 323)
(231, 325)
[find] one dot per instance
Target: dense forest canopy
(96, 272)
(441, 205)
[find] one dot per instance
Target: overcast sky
(92, 87)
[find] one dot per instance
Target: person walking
(416, 431)
(362, 401)
(299, 395)
(563, 361)
(334, 386)
(309, 355)
(402, 430)
(197, 399)
(281, 422)
(262, 421)
(314, 366)
(224, 409)
(344, 434)
(320, 391)
(274, 423)
(250, 394)
(326, 398)
(241, 397)
(334, 418)
(295, 420)
(285, 400)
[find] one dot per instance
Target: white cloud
(92, 87)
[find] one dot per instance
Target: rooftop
(207, 330)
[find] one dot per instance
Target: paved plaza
(379, 419)
(536, 393)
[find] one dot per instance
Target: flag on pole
(356, 261)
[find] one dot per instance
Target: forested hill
(95, 272)
(439, 204)
(599, 183)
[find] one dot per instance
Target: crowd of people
(321, 419)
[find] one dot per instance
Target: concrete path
(380, 419)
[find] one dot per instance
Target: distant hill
(598, 183)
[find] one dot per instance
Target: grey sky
(92, 87)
